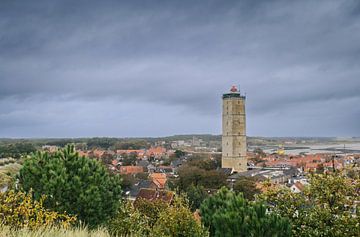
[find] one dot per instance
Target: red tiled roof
(131, 169)
(156, 151)
(159, 179)
(154, 195)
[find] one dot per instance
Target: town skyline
(131, 69)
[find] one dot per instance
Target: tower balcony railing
(233, 95)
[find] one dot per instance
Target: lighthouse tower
(234, 131)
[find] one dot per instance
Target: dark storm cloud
(172, 60)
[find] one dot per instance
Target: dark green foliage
(196, 195)
(131, 145)
(129, 159)
(189, 175)
(150, 210)
(320, 169)
(229, 214)
(259, 152)
(100, 142)
(247, 186)
(205, 164)
(179, 153)
(107, 159)
(73, 184)
(128, 180)
(59, 142)
(16, 150)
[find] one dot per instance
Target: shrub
(73, 184)
(177, 221)
(6, 231)
(327, 207)
(156, 218)
(19, 210)
(127, 222)
(229, 214)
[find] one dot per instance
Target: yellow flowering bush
(19, 210)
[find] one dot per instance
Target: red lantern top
(233, 89)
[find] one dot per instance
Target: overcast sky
(155, 68)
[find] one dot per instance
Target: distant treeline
(16, 147)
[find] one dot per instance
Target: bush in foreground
(19, 210)
(72, 184)
(327, 207)
(156, 218)
(229, 214)
(5, 231)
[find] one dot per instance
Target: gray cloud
(168, 62)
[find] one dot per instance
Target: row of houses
(309, 163)
(156, 152)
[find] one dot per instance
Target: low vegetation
(19, 210)
(229, 214)
(8, 174)
(329, 206)
(6, 231)
(156, 218)
(73, 184)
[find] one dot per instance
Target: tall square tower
(234, 131)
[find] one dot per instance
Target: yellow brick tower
(234, 131)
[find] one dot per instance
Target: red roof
(156, 151)
(159, 179)
(131, 169)
(233, 89)
(154, 195)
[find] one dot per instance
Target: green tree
(189, 175)
(107, 159)
(156, 218)
(327, 207)
(196, 195)
(16, 150)
(128, 222)
(178, 221)
(179, 153)
(259, 152)
(129, 159)
(73, 184)
(205, 164)
(320, 169)
(247, 186)
(229, 214)
(150, 210)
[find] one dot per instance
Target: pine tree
(230, 214)
(73, 184)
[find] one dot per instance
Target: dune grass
(7, 173)
(53, 232)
